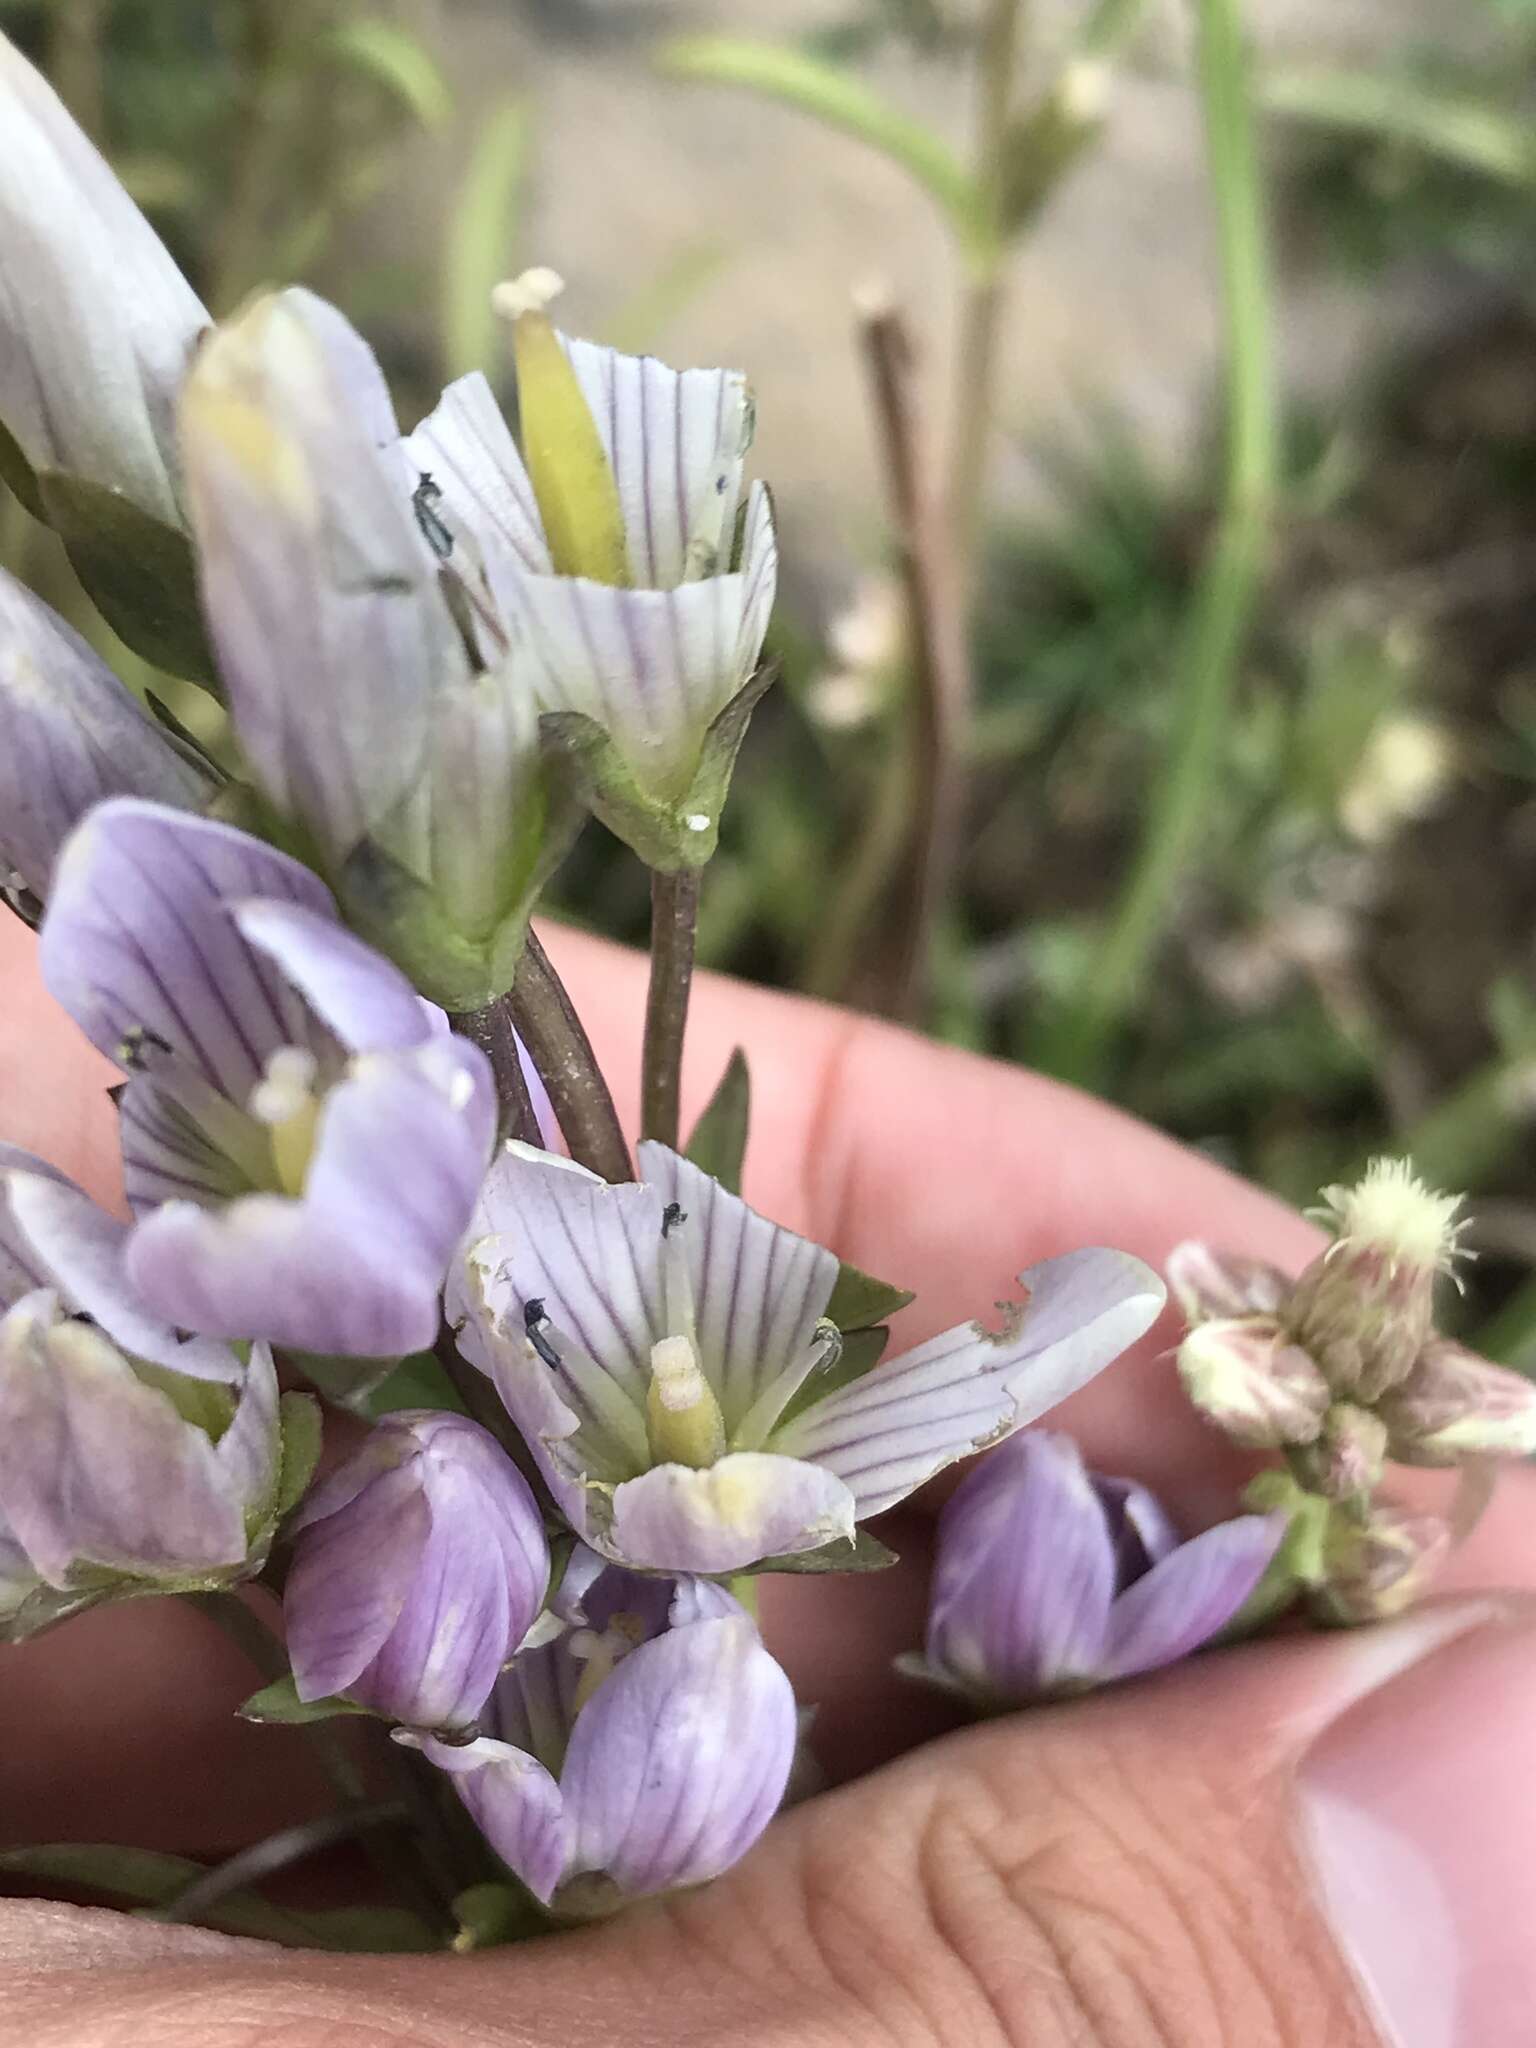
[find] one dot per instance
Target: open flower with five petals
(302, 1139)
(666, 1353)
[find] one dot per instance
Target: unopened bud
(1455, 1405)
(1254, 1384)
(1350, 1451)
(1365, 1307)
(1209, 1285)
(1380, 1567)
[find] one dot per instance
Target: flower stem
(548, 1025)
(492, 1030)
(1221, 610)
(674, 931)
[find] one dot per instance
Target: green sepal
(859, 1301)
(669, 834)
(860, 1553)
(349, 1383)
(152, 1881)
(416, 1382)
(861, 1353)
(302, 1426)
(44, 1608)
(719, 1142)
(16, 471)
(279, 1705)
(139, 572)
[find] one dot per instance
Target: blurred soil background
(1342, 959)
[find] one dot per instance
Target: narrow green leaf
(278, 1704)
(302, 1426)
(139, 572)
(1458, 127)
(399, 63)
(481, 236)
(865, 1553)
(719, 1140)
(859, 1301)
(830, 96)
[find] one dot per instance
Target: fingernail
(1419, 1817)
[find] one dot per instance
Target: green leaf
(859, 1301)
(279, 1705)
(139, 572)
(865, 1553)
(482, 230)
(829, 95)
(1458, 127)
(302, 1427)
(399, 63)
(151, 1879)
(719, 1140)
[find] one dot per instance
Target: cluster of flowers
(438, 652)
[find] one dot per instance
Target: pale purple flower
(96, 322)
(645, 1749)
(70, 735)
(302, 1139)
(419, 1567)
(111, 1481)
(658, 1345)
(1049, 1579)
(648, 677)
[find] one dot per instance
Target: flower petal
(355, 1266)
(675, 440)
(465, 448)
(1210, 1285)
(22, 1268)
(350, 1578)
(73, 736)
(81, 1251)
(680, 1759)
(138, 938)
(1190, 1596)
(95, 1466)
(913, 1415)
(248, 1455)
(747, 1507)
(1025, 1572)
(758, 1289)
(516, 1805)
(365, 1000)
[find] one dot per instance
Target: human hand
(1190, 1859)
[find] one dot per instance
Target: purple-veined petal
(913, 1415)
(73, 737)
(183, 1141)
(95, 1466)
(547, 1231)
(1025, 1572)
(1142, 1530)
(365, 1000)
(355, 1265)
(1190, 1596)
(675, 440)
(81, 1249)
(748, 1506)
(1210, 1285)
(465, 448)
(680, 1759)
(653, 668)
(758, 1289)
(322, 595)
(138, 938)
(350, 1577)
(516, 1805)
(96, 322)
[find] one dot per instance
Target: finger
(1317, 1842)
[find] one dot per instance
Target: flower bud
(96, 322)
(1455, 1405)
(1210, 1285)
(1347, 1458)
(1365, 1307)
(1257, 1387)
(120, 1477)
(1380, 1567)
(420, 1566)
(73, 735)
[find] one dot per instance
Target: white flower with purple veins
(130, 1454)
(302, 1139)
(633, 571)
(658, 1345)
(1049, 1579)
(645, 1749)
(419, 1567)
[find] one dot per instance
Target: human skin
(1268, 1845)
